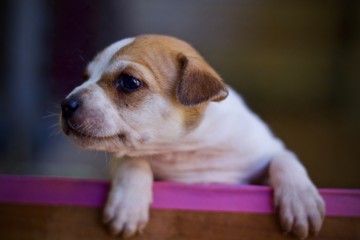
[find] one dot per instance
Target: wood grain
(38, 222)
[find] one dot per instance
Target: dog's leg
(127, 208)
(301, 208)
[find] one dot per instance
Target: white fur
(232, 146)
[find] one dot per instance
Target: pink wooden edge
(228, 198)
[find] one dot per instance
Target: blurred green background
(296, 63)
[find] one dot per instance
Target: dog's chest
(203, 166)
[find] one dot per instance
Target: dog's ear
(198, 82)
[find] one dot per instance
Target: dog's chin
(111, 143)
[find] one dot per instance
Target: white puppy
(166, 114)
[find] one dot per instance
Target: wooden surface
(38, 222)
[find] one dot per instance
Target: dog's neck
(215, 118)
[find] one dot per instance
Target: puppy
(164, 113)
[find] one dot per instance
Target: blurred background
(297, 64)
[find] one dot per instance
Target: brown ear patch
(198, 83)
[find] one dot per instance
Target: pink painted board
(212, 197)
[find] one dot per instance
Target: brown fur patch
(192, 117)
(198, 83)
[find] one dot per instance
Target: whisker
(55, 125)
(55, 132)
(106, 165)
(81, 55)
(56, 106)
(50, 115)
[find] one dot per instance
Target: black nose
(69, 106)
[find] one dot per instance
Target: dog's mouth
(69, 130)
(79, 134)
(109, 143)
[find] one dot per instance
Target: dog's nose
(69, 106)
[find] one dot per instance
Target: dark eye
(127, 83)
(85, 77)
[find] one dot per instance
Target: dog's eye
(127, 83)
(85, 76)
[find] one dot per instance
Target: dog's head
(139, 91)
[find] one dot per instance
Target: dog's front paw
(126, 212)
(301, 209)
